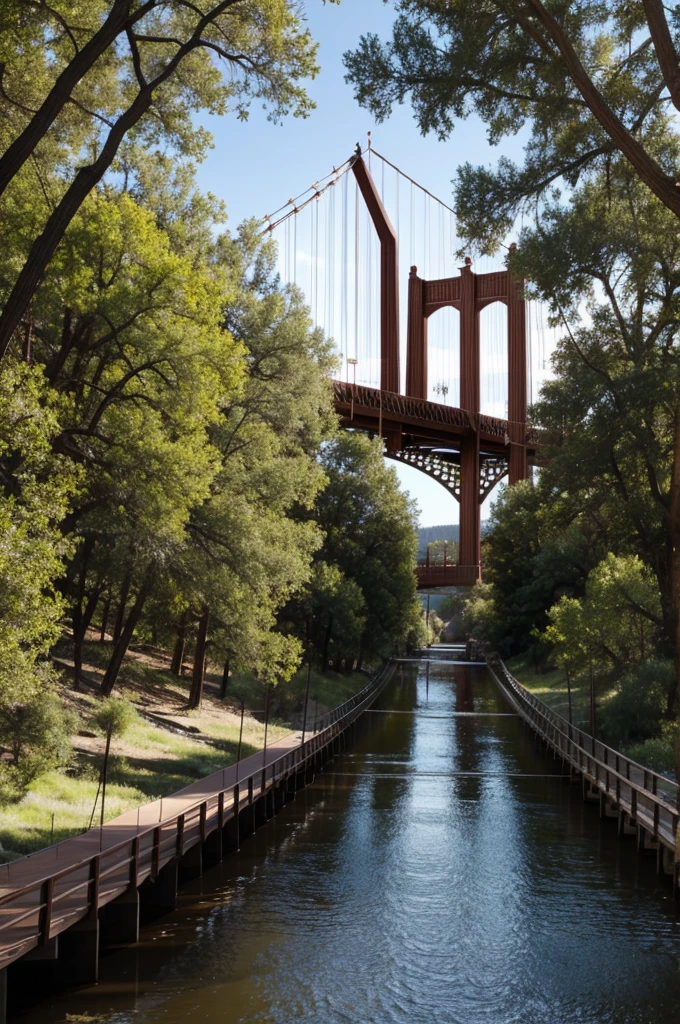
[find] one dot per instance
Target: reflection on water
(441, 872)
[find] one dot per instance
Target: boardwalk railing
(32, 914)
(650, 800)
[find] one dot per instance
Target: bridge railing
(650, 799)
(33, 913)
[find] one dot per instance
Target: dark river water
(441, 872)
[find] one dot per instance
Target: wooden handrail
(294, 758)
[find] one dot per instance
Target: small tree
(114, 716)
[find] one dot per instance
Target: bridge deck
(420, 421)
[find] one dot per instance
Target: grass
(166, 748)
(551, 687)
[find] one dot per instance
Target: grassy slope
(551, 688)
(165, 749)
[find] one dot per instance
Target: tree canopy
(592, 83)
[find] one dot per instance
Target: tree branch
(664, 47)
(648, 169)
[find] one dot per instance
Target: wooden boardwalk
(643, 800)
(63, 888)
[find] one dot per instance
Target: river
(442, 871)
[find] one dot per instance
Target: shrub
(657, 754)
(37, 734)
(636, 712)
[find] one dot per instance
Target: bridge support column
(161, 895)
(470, 540)
(191, 864)
(626, 826)
(416, 343)
(79, 953)
(389, 279)
(260, 813)
(120, 919)
(213, 848)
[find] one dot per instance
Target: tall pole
(309, 679)
(105, 771)
(240, 737)
(266, 726)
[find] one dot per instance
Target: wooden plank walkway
(44, 894)
(642, 798)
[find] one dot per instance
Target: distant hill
(428, 534)
(450, 532)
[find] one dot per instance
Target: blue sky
(256, 166)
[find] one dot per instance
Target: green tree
(614, 626)
(142, 67)
(370, 536)
(37, 487)
(36, 733)
(590, 80)
(250, 546)
(128, 325)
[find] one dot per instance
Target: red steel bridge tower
(460, 447)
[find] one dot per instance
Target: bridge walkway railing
(649, 799)
(72, 881)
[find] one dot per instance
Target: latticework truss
(447, 472)
(491, 470)
(435, 465)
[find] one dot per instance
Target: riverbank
(436, 842)
(551, 687)
(166, 748)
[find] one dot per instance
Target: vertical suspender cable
(315, 204)
(412, 229)
(343, 269)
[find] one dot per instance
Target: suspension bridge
(447, 386)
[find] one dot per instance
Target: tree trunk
(105, 617)
(120, 614)
(58, 97)
(326, 643)
(675, 573)
(180, 644)
(120, 648)
(79, 625)
(196, 695)
(84, 619)
(225, 677)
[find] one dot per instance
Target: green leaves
(585, 81)
(37, 486)
(615, 624)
